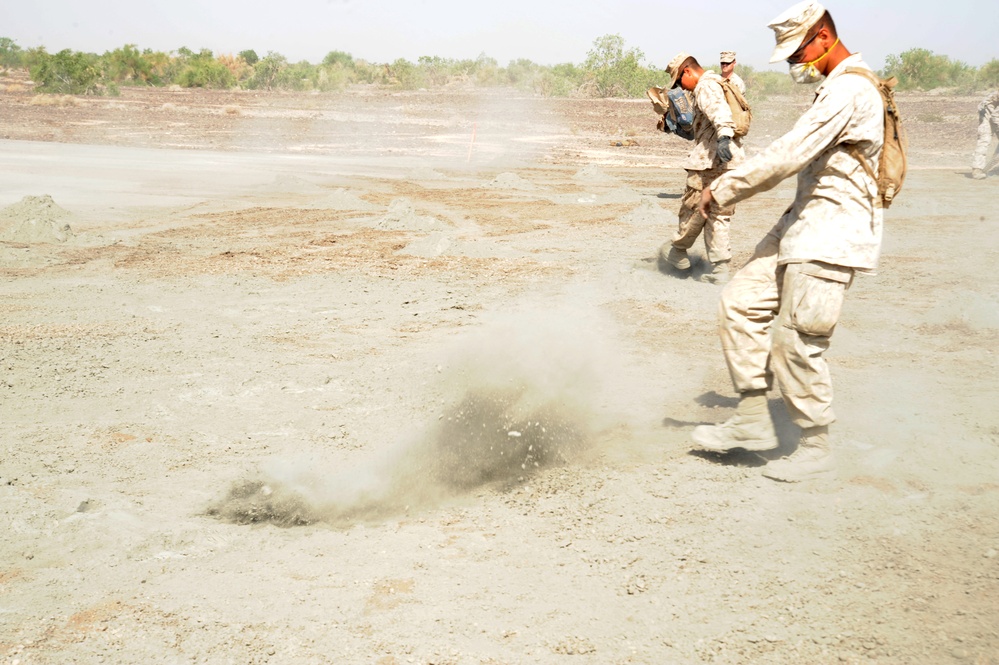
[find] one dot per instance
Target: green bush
(921, 69)
(202, 70)
(613, 71)
(765, 84)
(266, 72)
(250, 57)
(332, 79)
(404, 74)
(559, 81)
(339, 58)
(988, 74)
(66, 72)
(298, 76)
(10, 53)
(126, 65)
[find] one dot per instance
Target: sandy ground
(392, 378)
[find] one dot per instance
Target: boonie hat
(727, 57)
(791, 27)
(673, 68)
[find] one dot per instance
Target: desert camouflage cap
(727, 57)
(673, 68)
(791, 27)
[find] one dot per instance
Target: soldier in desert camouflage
(727, 61)
(778, 313)
(716, 149)
(988, 124)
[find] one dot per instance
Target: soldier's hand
(706, 199)
(724, 149)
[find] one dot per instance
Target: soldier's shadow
(787, 432)
(668, 195)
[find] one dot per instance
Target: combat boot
(978, 174)
(676, 258)
(718, 274)
(749, 429)
(812, 459)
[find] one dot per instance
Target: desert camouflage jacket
(990, 105)
(834, 217)
(738, 82)
(712, 118)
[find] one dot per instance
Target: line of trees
(610, 69)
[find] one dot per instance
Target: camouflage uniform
(801, 270)
(988, 124)
(712, 119)
(738, 82)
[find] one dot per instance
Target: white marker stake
(471, 143)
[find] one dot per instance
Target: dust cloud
(524, 393)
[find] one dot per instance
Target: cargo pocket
(816, 296)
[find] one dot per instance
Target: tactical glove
(724, 149)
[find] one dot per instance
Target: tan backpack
(742, 115)
(892, 165)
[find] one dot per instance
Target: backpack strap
(852, 148)
(855, 151)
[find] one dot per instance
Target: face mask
(806, 72)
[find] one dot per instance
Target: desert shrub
(988, 74)
(559, 81)
(299, 76)
(765, 84)
(266, 71)
(332, 79)
(487, 71)
(522, 73)
(345, 60)
(921, 69)
(67, 72)
(241, 69)
(437, 71)
(126, 65)
(162, 68)
(611, 70)
(406, 75)
(250, 57)
(10, 53)
(366, 72)
(203, 70)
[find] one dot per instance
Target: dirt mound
(35, 219)
(290, 184)
(594, 174)
(646, 212)
(402, 216)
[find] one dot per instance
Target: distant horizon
(550, 34)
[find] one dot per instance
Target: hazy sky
(545, 31)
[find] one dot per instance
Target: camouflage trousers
(776, 321)
(987, 126)
(715, 227)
